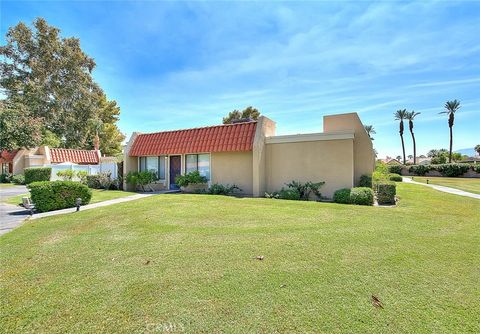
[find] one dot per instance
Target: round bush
(365, 181)
(56, 195)
(361, 196)
(34, 174)
(395, 177)
(342, 196)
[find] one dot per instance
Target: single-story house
(16, 161)
(251, 156)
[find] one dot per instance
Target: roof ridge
(71, 149)
(198, 128)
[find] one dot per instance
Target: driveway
(11, 216)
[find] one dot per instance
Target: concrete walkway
(11, 216)
(444, 189)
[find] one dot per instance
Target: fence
(105, 167)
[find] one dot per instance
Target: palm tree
(410, 116)
(400, 115)
(451, 107)
(477, 149)
(370, 131)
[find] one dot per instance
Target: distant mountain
(467, 151)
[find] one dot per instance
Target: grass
(98, 195)
(6, 185)
(466, 184)
(187, 263)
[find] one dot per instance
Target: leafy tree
(50, 139)
(410, 156)
(370, 131)
(477, 149)
(400, 115)
(411, 116)
(17, 128)
(52, 77)
(451, 107)
(247, 113)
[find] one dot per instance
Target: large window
(200, 162)
(153, 164)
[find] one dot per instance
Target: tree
(410, 157)
(17, 129)
(52, 77)
(451, 107)
(399, 157)
(370, 131)
(477, 149)
(411, 116)
(400, 115)
(247, 113)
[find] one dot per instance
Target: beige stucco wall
(265, 128)
(325, 160)
(233, 168)
(364, 156)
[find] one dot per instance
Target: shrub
(365, 181)
(395, 169)
(56, 195)
(305, 189)
(18, 179)
(395, 177)
(220, 189)
(5, 178)
(82, 176)
(440, 159)
(190, 178)
(35, 174)
(420, 170)
(140, 178)
(386, 192)
(361, 196)
(66, 175)
(99, 181)
(452, 170)
(476, 168)
(342, 196)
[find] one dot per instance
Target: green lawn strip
(6, 185)
(466, 184)
(187, 261)
(98, 195)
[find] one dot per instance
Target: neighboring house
(390, 161)
(420, 161)
(251, 156)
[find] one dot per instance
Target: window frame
(209, 177)
(142, 165)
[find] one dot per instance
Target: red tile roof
(220, 138)
(7, 156)
(59, 155)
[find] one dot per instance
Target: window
(200, 162)
(153, 164)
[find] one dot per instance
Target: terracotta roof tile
(220, 138)
(59, 155)
(7, 156)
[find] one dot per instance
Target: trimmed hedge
(342, 196)
(56, 195)
(361, 196)
(35, 174)
(386, 192)
(420, 170)
(18, 179)
(395, 177)
(395, 169)
(452, 170)
(365, 181)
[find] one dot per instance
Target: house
(254, 158)
(390, 161)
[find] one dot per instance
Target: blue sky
(174, 65)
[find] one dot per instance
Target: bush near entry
(34, 174)
(56, 195)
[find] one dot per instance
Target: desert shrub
(365, 181)
(141, 179)
(395, 169)
(82, 176)
(452, 170)
(190, 178)
(285, 193)
(395, 177)
(56, 195)
(220, 189)
(18, 179)
(361, 196)
(386, 192)
(342, 196)
(66, 175)
(34, 174)
(5, 178)
(99, 181)
(420, 170)
(305, 189)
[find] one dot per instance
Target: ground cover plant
(193, 261)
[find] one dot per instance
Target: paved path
(11, 216)
(444, 189)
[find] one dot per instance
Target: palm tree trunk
(414, 149)
(451, 142)
(403, 148)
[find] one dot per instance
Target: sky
(173, 65)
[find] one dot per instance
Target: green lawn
(98, 195)
(6, 185)
(187, 262)
(466, 184)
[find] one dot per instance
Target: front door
(175, 169)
